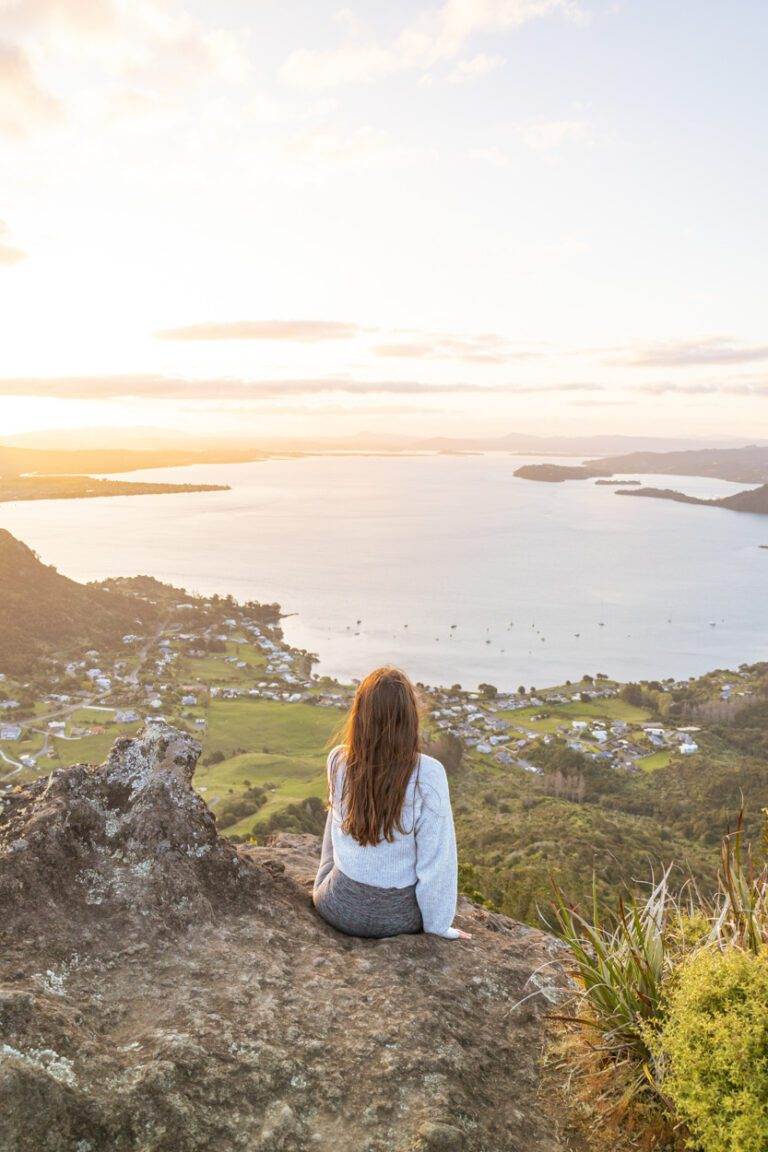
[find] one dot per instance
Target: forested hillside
(748, 465)
(577, 818)
(42, 611)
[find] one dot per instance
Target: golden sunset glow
(290, 219)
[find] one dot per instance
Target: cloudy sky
(285, 216)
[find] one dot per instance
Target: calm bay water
(447, 565)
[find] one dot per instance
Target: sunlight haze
(471, 217)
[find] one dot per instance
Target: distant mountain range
(119, 451)
(564, 445)
(169, 442)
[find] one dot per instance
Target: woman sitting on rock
(389, 851)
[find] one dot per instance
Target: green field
(656, 761)
(214, 669)
(559, 715)
(89, 749)
(265, 743)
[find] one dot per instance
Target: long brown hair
(380, 742)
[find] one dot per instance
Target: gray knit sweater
(424, 854)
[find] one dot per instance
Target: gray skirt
(363, 909)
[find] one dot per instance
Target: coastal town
(225, 672)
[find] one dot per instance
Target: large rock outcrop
(161, 991)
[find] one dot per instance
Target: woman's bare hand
(464, 935)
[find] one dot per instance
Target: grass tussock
(635, 1051)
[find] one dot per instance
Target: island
(619, 483)
(557, 473)
(754, 500)
(86, 487)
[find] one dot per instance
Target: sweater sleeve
(436, 865)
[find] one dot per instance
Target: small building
(189, 701)
(10, 732)
(688, 747)
(126, 716)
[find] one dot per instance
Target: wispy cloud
(82, 16)
(683, 353)
(178, 388)
(482, 349)
(706, 388)
(297, 331)
(9, 253)
(25, 105)
(434, 37)
(137, 54)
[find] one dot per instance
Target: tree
(632, 694)
(489, 691)
(448, 749)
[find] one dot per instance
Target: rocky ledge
(161, 991)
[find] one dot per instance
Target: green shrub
(303, 816)
(240, 806)
(713, 1049)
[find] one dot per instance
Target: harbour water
(446, 565)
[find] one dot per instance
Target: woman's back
(388, 863)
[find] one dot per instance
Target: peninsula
(748, 465)
(85, 487)
(753, 500)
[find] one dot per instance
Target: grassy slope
(285, 746)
